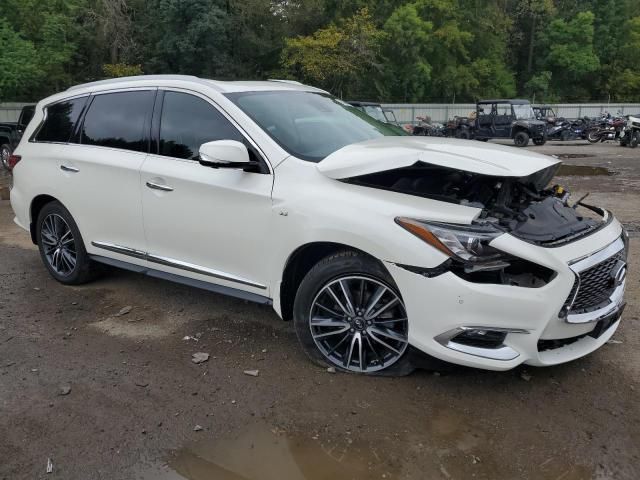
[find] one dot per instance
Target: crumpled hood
(388, 153)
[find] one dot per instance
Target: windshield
(523, 111)
(310, 125)
(375, 112)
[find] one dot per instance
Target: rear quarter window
(60, 121)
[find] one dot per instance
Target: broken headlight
(466, 243)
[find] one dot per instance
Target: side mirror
(225, 154)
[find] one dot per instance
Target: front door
(209, 222)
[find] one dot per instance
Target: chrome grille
(594, 285)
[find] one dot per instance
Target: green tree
(19, 71)
(339, 58)
(626, 80)
(185, 37)
(407, 71)
(570, 55)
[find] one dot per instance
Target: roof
(357, 103)
(507, 100)
(221, 86)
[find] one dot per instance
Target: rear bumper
(20, 208)
(532, 318)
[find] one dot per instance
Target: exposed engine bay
(525, 207)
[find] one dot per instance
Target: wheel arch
(37, 204)
(298, 264)
(517, 128)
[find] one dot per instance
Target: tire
(61, 246)
(482, 139)
(464, 135)
(565, 135)
(635, 139)
(539, 141)
(521, 139)
(593, 136)
(5, 153)
(363, 278)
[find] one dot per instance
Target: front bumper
(540, 327)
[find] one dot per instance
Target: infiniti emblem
(619, 273)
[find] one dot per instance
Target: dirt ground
(102, 396)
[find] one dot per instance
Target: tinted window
(187, 122)
(61, 118)
(117, 120)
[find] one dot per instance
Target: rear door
(100, 171)
(210, 222)
(502, 120)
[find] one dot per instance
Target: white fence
(9, 112)
(441, 112)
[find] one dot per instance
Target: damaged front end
(523, 207)
(508, 187)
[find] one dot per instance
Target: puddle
(582, 171)
(260, 453)
(572, 155)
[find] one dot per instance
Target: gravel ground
(107, 396)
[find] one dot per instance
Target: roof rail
(110, 81)
(293, 82)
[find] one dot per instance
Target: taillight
(13, 161)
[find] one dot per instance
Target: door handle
(66, 168)
(157, 186)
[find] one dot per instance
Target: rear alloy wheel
(5, 153)
(61, 246)
(521, 139)
(349, 315)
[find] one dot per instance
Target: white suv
(379, 247)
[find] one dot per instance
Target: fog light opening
(480, 338)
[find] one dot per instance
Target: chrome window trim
(173, 263)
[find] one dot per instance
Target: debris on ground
(49, 465)
(331, 369)
(252, 373)
(199, 357)
(525, 376)
(186, 338)
(615, 342)
(475, 459)
(64, 389)
(197, 428)
(140, 383)
(124, 311)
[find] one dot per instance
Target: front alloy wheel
(359, 324)
(348, 314)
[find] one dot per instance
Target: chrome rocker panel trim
(170, 262)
